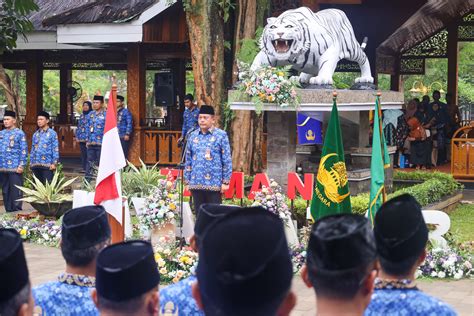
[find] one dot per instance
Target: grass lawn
(462, 223)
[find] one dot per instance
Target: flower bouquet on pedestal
(274, 201)
(161, 212)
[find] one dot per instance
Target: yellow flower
(163, 270)
(175, 280)
(280, 73)
(184, 259)
(23, 232)
(270, 98)
(157, 257)
(172, 206)
(170, 195)
(179, 274)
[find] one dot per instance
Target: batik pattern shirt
(13, 149)
(176, 299)
(400, 299)
(208, 160)
(81, 131)
(190, 120)
(124, 122)
(69, 296)
(95, 127)
(44, 148)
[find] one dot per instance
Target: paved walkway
(46, 263)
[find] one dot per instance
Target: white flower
(468, 265)
(418, 273)
(434, 274)
(458, 275)
(441, 274)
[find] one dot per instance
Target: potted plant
(49, 199)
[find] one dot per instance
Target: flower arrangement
(268, 85)
(175, 263)
(298, 257)
(273, 200)
(47, 232)
(446, 263)
(161, 206)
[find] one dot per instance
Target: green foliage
(14, 21)
(47, 193)
(436, 185)
(139, 182)
(51, 91)
(461, 225)
(249, 47)
(228, 116)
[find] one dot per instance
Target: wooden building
(140, 35)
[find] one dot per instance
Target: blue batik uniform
(395, 298)
(125, 128)
(13, 153)
(176, 299)
(44, 148)
(82, 136)
(208, 160)
(190, 120)
(13, 149)
(95, 128)
(81, 131)
(124, 122)
(69, 296)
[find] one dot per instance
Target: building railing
(462, 152)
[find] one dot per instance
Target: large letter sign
(295, 185)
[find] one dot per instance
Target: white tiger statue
(312, 43)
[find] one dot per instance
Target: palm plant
(139, 182)
(47, 197)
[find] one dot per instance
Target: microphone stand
(181, 167)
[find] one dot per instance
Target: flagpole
(117, 229)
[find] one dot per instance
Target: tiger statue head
(284, 38)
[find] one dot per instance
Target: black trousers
(83, 155)
(10, 192)
(43, 174)
(93, 159)
(125, 147)
(204, 196)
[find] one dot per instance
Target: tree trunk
(10, 94)
(247, 126)
(206, 36)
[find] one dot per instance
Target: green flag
(331, 195)
(379, 161)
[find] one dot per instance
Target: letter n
(296, 186)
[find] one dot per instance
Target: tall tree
(14, 22)
(205, 20)
(247, 126)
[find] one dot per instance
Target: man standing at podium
(208, 165)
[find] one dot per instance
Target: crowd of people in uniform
(44, 153)
(423, 131)
(90, 131)
(244, 267)
(43, 156)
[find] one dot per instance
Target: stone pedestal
(281, 146)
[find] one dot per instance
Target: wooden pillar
(453, 61)
(396, 78)
(34, 94)
(65, 75)
(136, 84)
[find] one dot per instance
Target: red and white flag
(108, 184)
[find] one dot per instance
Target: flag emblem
(333, 179)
